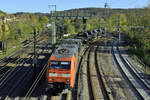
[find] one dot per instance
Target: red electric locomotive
(62, 66)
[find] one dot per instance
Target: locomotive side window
(60, 65)
(54, 63)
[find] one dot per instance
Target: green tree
(0, 32)
(78, 25)
(69, 28)
(43, 19)
(123, 22)
(88, 26)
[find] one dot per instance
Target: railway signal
(35, 53)
(119, 33)
(84, 21)
(20, 32)
(4, 46)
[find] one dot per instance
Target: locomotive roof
(65, 50)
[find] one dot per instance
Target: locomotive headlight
(50, 79)
(68, 80)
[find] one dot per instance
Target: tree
(69, 28)
(92, 23)
(0, 32)
(78, 25)
(123, 22)
(7, 31)
(43, 19)
(88, 26)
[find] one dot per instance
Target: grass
(17, 45)
(145, 68)
(10, 51)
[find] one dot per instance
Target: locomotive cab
(59, 72)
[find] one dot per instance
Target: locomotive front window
(60, 65)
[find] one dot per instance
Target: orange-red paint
(67, 80)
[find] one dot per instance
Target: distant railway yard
(102, 71)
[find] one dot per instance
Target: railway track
(8, 76)
(28, 42)
(78, 91)
(90, 76)
(17, 53)
(62, 96)
(20, 82)
(23, 73)
(134, 69)
(105, 90)
(140, 89)
(14, 60)
(35, 83)
(96, 85)
(92, 73)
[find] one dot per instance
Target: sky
(12, 6)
